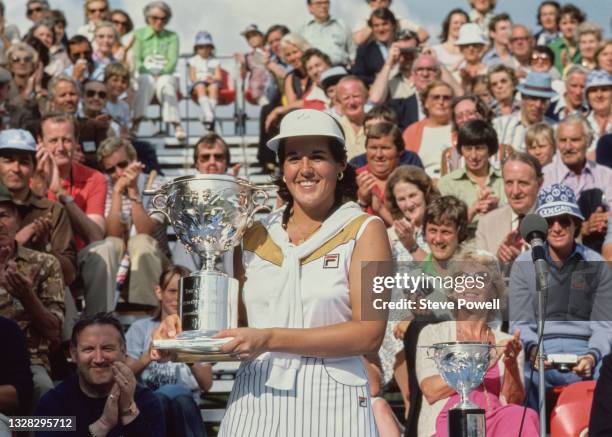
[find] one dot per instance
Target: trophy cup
(463, 365)
(210, 214)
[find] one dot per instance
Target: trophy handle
(258, 206)
(159, 203)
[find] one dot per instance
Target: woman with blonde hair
(96, 11)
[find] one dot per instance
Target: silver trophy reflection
(463, 365)
(210, 214)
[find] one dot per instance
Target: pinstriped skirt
(318, 405)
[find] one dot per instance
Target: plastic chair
(570, 417)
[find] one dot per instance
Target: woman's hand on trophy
(170, 327)
(246, 344)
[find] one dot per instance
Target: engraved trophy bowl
(463, 365)
(209, 214)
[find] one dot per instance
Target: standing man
(498, 231)
(328, 34)
(103, 394)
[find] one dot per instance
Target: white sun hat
(306, 123)
(470, 33)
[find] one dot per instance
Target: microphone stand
(542, 290)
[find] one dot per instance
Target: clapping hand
(366, 183)
(404, 230)
(510, 247)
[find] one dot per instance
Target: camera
(563, 362)
(409, 51)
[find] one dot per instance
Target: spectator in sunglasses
(124, 26)
(36, 10)
(9, 34)
(577, 275)
(96, 11)
(127, 218)
(27, 78)
(83, 65)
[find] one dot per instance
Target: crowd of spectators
(452, 143)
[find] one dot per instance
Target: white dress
(327, 397)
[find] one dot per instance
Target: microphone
(533, 230)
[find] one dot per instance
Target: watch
(131, 411)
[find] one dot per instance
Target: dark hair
(78, 39)
(475, 133)
(384, 14)
(381, 111)
(130, 24)
(346, 188)
(447, 210)
(527, 159)
(383, 129)
(96, 319)
(553, 3)
(58, 17)
(312, 52)
(164, 280)
(411, 174)
(446, 23)
(547, 51)
(498, 18)
(481, 107)
(210, 140)
(277, 28)
(572, 11)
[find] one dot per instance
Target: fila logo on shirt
(363, 401)
(331, 261)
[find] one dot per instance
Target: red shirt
(88, 188)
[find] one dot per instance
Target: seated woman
(502, 393)
(471, 43)
(44, 31)
(384, 144)
(177, 385)
(502, 84)
(409, 190)
(105, 39)
(431, 136)
(540, 142)
(479, 184)
(316, 62)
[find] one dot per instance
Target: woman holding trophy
(300, 276)
(501, 394)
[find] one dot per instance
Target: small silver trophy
(463, 366)
(210, 214)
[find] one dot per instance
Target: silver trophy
(210, 214)
(463, 366)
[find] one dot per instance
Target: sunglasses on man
(121, 164)
(94, 93)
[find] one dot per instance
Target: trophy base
(195, 349)
(466, 423)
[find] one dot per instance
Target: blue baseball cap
(17, 139)
(556, 200)
(203, 38)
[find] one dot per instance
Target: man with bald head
(352, 95)
(521, 46)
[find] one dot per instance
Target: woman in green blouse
(156, 52)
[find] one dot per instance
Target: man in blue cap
(536, 93)
(578, 305)
(44, 224)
